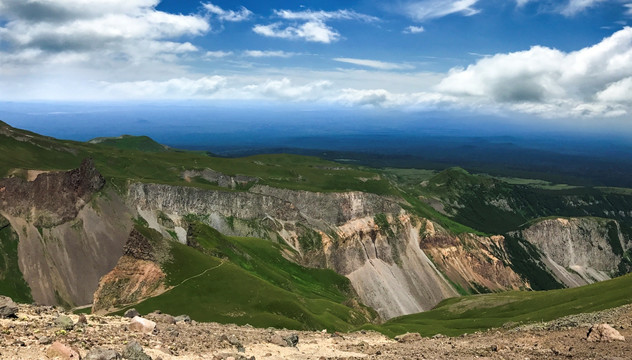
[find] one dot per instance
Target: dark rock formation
(54, 197)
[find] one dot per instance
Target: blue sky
(569, 59)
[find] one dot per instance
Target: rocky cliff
(136, 276)
(370, 239)
(53, 197)
(475, 263)
(578, 251)
(69, 236)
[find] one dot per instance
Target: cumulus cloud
(382, 65)
(592, 81)
(268, 53)
(132, 30)
(228, 15)
(313, 31)
(414, 30)
(313, 27)
(284, 90)
(430, 9)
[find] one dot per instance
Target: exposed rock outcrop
(62, 264)
(52, 198)
(136, 276)
(216, 177)
(579, 251)
(476, 263)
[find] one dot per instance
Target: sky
(550, 60)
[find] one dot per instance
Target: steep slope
(244, 281)
(578, 251)
(469, 314)
(70, 232)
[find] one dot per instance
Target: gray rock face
(100, 353)
(131, 313)
(579, 251)
(8, 308)
(66, 261)
(133, 351)
(64, 322)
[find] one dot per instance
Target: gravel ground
(31, 334)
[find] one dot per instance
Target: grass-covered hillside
(248, 281)
(129, 160)
(480, 312)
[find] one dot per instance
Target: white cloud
(573, 7)
(521, 3)
(628, 10)
(131, 29)
(414, 30)
(313, 31)
(588, 82)
(228, 15)
(382, 65)
(309, 15)
(430, 9)
(268, 53)
(617, 92)
(218, 54)
(313, 27)
(284, 90)
(173, 88)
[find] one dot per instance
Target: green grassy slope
(248, 281)
(12, 283)
(279, 170)
(479, 312)
(129, 142)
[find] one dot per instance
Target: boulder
(62, 352)
(100, 353)
(64, 322)
(603, 332)
(131, 313)
(139, 324)
(8, 308)
(83, 321)
(133, 351)
(183, 318)
(161, 318)
(291, 340)
(408, 337)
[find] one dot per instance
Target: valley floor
(27, 337)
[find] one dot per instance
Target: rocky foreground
(45, 332)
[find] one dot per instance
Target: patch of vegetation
(12, 281)
(129, 142)
(382, 223)
(248, 281)
(526, 260)
(468, 314)
(613, 238)
(309, 239)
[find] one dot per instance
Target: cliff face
(475, 263)
(386, 267)
(52, 198)
(68, 237)
(366, 237)
(578, 251)
(136, 276)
